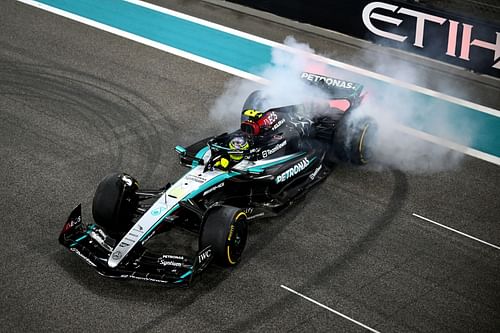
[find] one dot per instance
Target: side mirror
(180, 150)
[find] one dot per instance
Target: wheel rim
(365, 152)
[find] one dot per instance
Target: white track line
(319, 58)
(458, 232)
(449, 144)
(145, 41)
(255, 78)
(270, 43)
(329, 309)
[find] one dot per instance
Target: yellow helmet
(238, 143)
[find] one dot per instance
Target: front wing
(91, 243)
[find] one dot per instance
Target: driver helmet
(250, 121)
(239, 143)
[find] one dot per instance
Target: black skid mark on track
(329, 272)
(263, 232)
(98, 106)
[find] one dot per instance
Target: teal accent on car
(216, 180)
(202, 152)
(87, 233)
(199, 155)
(183, 276)
(180, 150)
(221, 147)
(261, 168)
(160, 220)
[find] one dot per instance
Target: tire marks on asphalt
(324, 276)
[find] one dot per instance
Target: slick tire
(353, 141)
(115, 202)
(225, 230)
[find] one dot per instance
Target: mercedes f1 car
(270, 162)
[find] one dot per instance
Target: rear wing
(335, 88)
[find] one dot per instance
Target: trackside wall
(461, 40)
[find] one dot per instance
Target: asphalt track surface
(77, 103)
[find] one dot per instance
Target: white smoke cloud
(393, 148)
(394, 109)
(285, 86)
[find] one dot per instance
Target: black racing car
(255, 172)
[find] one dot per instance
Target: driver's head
(239, 143)
(249, 121)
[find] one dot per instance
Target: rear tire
(115, 202)
(353, 141)
(225, 230)
(362, 146)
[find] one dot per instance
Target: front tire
(115, 202)
(225, 230)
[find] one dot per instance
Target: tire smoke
(393, 111)
(285, 86)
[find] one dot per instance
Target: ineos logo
(371, 12)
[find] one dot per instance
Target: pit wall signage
(460, 40)
(457, 40)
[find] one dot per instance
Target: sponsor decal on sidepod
(267, 152)
(297, 168)
(315, 173)
(277, 125)
(210, 190)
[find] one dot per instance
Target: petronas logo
(297, 168)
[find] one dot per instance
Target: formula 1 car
(255, 172)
